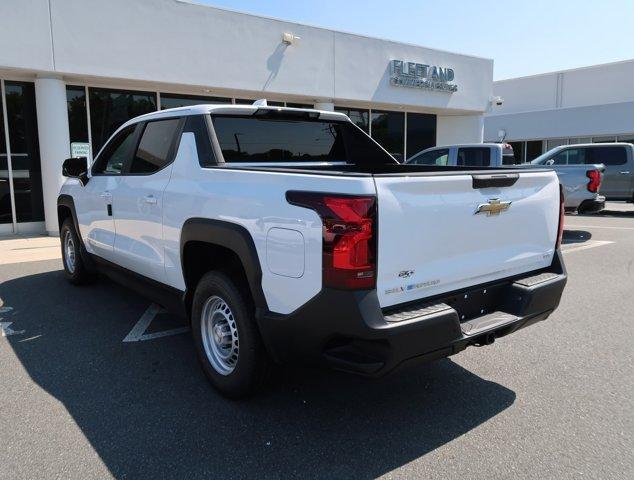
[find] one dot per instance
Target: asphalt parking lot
(551, 401)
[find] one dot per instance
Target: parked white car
(287, 234)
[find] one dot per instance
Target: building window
(270, 103)
(604, 139)
(109, 109)
(360, 117)
(388, 129)
(299, 105)
(25, 152)
(534, 149)
(5, 192)
(421, 132)
(626, 138)
(170, 100)
(578, 140)
(555, 142)
(77, 117)
(518, 152)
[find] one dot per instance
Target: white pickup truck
(288, 234)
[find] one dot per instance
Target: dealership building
(582, 105)
(72, 71)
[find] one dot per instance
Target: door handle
(105, 194)
(150, 199)
(626, 172)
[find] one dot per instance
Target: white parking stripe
(585, 246)
(597, 226)
(137, 334)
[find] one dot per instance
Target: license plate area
(478, 302)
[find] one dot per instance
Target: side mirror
(76, 168)
(550, 162)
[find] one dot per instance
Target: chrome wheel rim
(69, 252)
(220, 335)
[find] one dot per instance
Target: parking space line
(137, 334)
(597, 226)
(586, 246)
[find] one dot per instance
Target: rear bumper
(347, 330)
(592, 205)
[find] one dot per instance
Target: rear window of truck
(269, 140)
(474, 157)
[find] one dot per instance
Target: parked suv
(286, 234)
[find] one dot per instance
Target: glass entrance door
(21, 199)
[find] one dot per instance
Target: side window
(608, 155)
(115, 153)
(154, 150)
(435, 157)
(570, 156)
(474, 157)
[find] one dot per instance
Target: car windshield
(543, 157)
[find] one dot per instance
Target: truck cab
(467, 154)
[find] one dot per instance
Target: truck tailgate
(432, 241)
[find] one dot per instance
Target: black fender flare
(233, 237)
(67, 201)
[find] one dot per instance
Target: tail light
(349, 237)
(560, 230)
(595, 180)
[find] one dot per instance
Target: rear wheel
(227, 340)
(74, 267)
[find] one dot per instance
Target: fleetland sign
(419, 75)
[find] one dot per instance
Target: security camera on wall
(497, 100)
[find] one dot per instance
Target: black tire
(247, 373)
(75, 270)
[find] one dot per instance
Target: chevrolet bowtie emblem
(493, 207)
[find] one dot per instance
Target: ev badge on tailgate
(493, 207)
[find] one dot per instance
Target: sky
(522, 37)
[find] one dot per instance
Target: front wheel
(227, 339)
(74, 267)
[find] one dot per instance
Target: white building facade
(72, 71)
(583, 105)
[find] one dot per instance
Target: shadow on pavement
(609, 213)
(575, 236)
(148, 411)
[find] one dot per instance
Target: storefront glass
(25, 154)
(421, 132)
(534, 148)
(5, 191)
(109, 109)
(518, 152)
(170, 100)
(77, 118)
(360, 117)
(388, 129)
(246, 101)
(605, 139)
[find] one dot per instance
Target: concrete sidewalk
(19, 248)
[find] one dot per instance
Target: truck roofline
(228, 109)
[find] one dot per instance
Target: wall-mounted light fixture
(289, 39)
